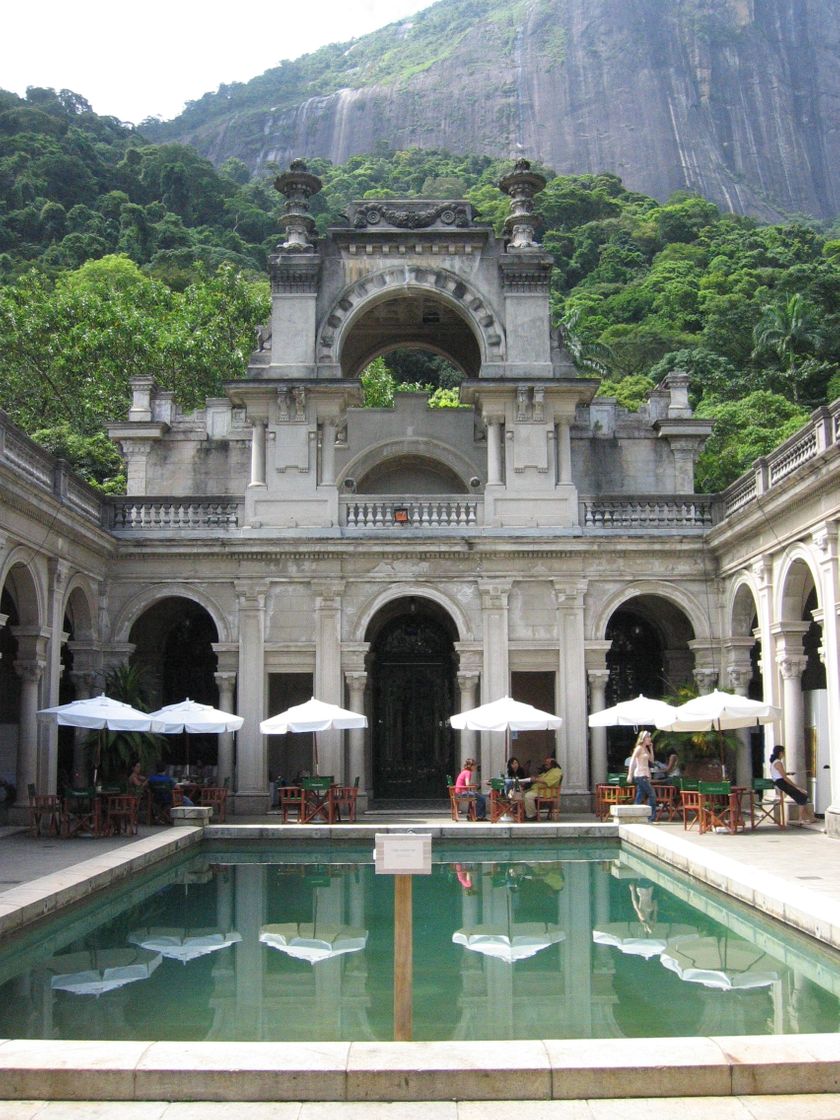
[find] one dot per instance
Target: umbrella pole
(315, 742)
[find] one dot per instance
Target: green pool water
(575, 942)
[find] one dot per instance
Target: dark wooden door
(413, 745)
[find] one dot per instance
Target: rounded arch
(24, 584)
(79, 606)
(441, 290)
(132, 610)
(741, 606)
(798, 576)
(402, 593)
(674, 596)
(370, 459)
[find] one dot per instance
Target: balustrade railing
(378, 512)
(684, 512)
(149, 514)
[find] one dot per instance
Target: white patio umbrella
(314, 715)
(309, 941)
(183, 944)
(509, 943)
(92, 972)
(505, 714)
(100, 713)
(192, 718)
(720, 711)
(637, 940)
(727, 963)
(641, 711)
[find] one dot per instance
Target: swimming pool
(278, 945)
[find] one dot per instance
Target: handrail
(165, 513)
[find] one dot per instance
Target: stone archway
(412, 671)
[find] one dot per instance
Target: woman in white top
(638, 771)
(778, 774)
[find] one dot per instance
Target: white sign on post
(403, 853)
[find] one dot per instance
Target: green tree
(743, 431)
(788, 331)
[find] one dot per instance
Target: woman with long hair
(780, 779)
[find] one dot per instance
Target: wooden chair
(343, 799)
(504, 805)
(615, 791)
(721, 807)
(666, 801)
(216, 797)
(121, 814)
(291, 800)
(550, 802)
(691, 804)
(44, 813)
(463, 798)
(770, 808)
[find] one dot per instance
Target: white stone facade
(413, 562)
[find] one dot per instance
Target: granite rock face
(738, 100)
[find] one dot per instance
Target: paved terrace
(793, 874)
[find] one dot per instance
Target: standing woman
(638, 771)
(783, 782)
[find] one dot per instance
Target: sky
(134, 61)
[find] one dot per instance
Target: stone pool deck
(792, 874)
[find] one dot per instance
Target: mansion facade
(411, 562)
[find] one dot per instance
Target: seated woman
(464, 787)
(783, 782)
(516, 773)
(136, 780)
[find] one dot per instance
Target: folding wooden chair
(504, 805)
(720, 807)
(121, 814)
(691, 804)
(666, 801)
(763, 808)
(44, 813)
(615, 791)
(550, 802)
(343, 799)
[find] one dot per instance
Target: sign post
(403, 855)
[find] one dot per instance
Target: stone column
(48, 760)
(494, 450)
(252, 794)
(356, 684)
(826, 545)
(85, 683)
(738, 679)
(468, 688)
(257, 453)
(573, 735)
(791, 665)
(598, 679)
(495, 676)
(30, 670)
(226, 684)
(328, 680)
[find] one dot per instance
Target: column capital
(598, 677)
(355, 678)
(705, 679)
(467, 680)
(569, 594)
(31, 669)
(739, 677)
(251, 594)
(494, 593)
(791, 665)
(824, 538)
(227, 676)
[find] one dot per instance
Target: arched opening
(411, 474)
(412, 672)
(173, 643)
(649, 654)
(413, 321)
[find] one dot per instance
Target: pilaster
(252, 795)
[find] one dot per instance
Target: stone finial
(521, 185)
(298, 185)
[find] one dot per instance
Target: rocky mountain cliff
(738, 100)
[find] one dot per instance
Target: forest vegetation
(120, 257)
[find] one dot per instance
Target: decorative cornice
(410, 214)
